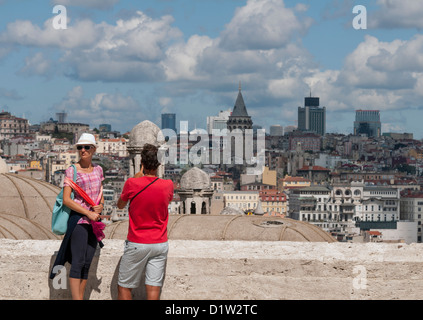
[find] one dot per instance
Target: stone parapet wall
(231, 270)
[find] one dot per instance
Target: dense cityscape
(360, 187)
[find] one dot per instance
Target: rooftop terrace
(230, 270)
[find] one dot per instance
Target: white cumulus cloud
(397, 14)
(263, 25)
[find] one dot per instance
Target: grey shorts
(140, 257)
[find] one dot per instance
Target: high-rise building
(367, 122)
(311, 117)
(169, 121)
(218, 122)
(105, 127)
(276, 130)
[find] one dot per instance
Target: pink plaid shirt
(90, 183)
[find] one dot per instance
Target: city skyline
(120, 63)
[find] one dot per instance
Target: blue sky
(122, 62)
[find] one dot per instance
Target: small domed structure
(195, 179)
(145, 132)
(142, 133)
(195, 192)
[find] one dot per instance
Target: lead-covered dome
(195, 179)
(28, 200)
(145, 132)
(232, 228)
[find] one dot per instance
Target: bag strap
(74, 173)
(74, 176)
(143, 189)
(97, 202)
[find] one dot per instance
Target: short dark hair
(149, 157)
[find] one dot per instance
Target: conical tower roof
(239, 109)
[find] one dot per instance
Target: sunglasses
(84, 147)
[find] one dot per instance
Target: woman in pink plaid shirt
(79, 243)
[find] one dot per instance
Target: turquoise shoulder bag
(60, 217)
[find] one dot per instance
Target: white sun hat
(86, 139)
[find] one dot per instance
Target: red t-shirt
(148, 213)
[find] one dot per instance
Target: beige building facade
(244, 200)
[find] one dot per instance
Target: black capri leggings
(83, 245)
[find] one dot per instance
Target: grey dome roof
(195, 179)
(225, 227)
(27, 199)
(145, 132)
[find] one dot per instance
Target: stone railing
(231, 270)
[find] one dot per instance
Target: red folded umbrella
(82, 193)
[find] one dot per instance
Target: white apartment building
(338, 209)
(310, 204)
(378, 205)
(115, 147)
(244, 200)
(411, 209)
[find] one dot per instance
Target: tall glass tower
(367, 122)
(312, 118)
(169, 121)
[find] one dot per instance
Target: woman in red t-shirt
(146, 246)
